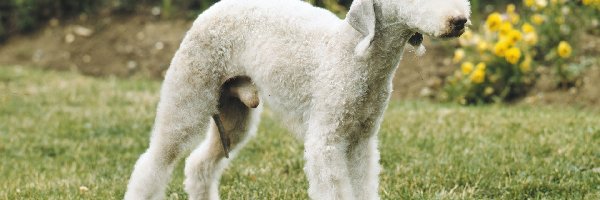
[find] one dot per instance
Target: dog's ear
(362, 18)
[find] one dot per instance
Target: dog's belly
(289, 115)
(282, 67)
(278, 47)
(286, 90)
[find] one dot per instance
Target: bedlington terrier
(328, 79)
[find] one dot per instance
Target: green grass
(60, 131)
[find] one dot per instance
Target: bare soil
(141, 45)
(120, 46)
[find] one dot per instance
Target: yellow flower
(478, 76)
(527, 28)
(501, 47)
(514, 18)
(526, 64)
(564, 49)
(529, 3)
(466, 68)
(531, 38)
(510, 8)
(537, 19)
(541, 3)
(493, 21)
(482, 46)
(505, 28)
(586, 2)
(459, 54)
(513, 36)
(480, 66)
(513, 55)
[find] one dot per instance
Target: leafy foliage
(25, 15)
(510, 45)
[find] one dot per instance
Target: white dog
(329, 80)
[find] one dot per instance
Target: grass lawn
(60, 131)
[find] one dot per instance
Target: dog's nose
(458, 23)
(456, 27)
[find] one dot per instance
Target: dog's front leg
(364, 167)
(326, 162)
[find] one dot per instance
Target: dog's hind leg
(206, 164)
(187, 101)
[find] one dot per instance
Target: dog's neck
(391, 32)
(391, 36)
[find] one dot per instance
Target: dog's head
(436, 18)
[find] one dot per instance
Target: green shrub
(561, 21)
(509, 47)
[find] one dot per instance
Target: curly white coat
(329, 81)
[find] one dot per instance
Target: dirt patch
(144, 45)
(420, 76)
(586, 93)
(121, 46)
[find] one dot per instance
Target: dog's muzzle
(456, 27)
